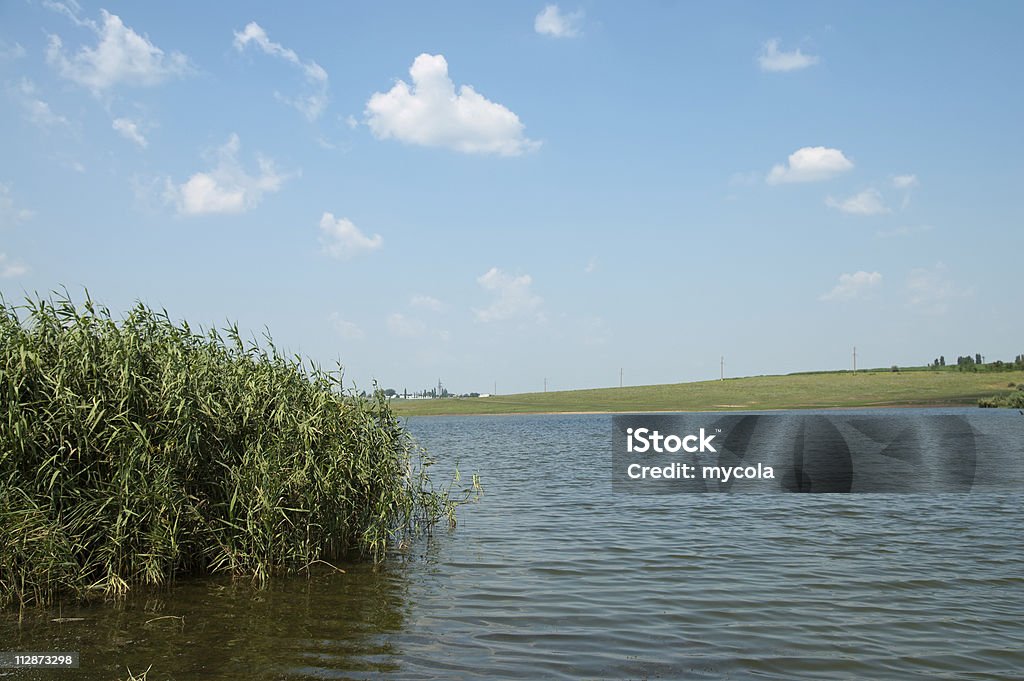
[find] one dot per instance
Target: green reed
(135, 450)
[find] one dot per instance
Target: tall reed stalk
(136, 450)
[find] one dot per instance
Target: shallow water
(554, 575)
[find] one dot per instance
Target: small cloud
(345, 329)
(129, 129)
(771, 59)
(351, 122)
(512, 296)
(854, 285)
(228, 187)
(432, 113)
(550, 21)
(10, 269)
(591, 266)
(34, 109)
(426, 303)
(404, 327)
(10, 214)
(120, 56)
(930, 289)
(903, 231)
(810, 164)
(868, 202)
(313, 104)
(10, 52)
(341, 239)
(906, 183)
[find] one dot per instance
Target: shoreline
(930, 405)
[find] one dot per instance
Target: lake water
(554, 575)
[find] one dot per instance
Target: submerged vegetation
(136, 450)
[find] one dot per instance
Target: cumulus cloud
(10, 268)
(341, 239)
(120, 56)
(346, 329)
(10, 214)
(129, 129)
(34, 109)
(426, 303)
(853, 285)
(431, 113)
(868, 202)
(810, 164)
(512, 297)
(771, 59)
(227, 187)
(311, 105)
(550, 21)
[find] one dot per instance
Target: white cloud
(34, 109)
(346, 329)
(904, 181)
(810, 164)
(341, 239)
(512, 296)
(228, 187)
(430, 113)
(771, 59)
(868, 202)
(129, 129)
(10, 269)
(930, 289)
(426, 303)
(853, 285)
(550, 21)
(404, 327)
(313, 104)
(120, 56)
(591, 266)
(10, 214)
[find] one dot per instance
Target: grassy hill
(873, 388)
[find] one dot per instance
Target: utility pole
(854, 359)
(495, 388)
(545, 384)
(620, 377)
(721, 376)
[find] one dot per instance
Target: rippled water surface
(552, 575)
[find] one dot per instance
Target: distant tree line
(977, 363)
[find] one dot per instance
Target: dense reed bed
(135, 450)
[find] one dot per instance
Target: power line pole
(545, 384)
(721, 376)
(620, 377)
(854, 359)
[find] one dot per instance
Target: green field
(880, 388)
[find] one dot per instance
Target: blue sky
(499, 193)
